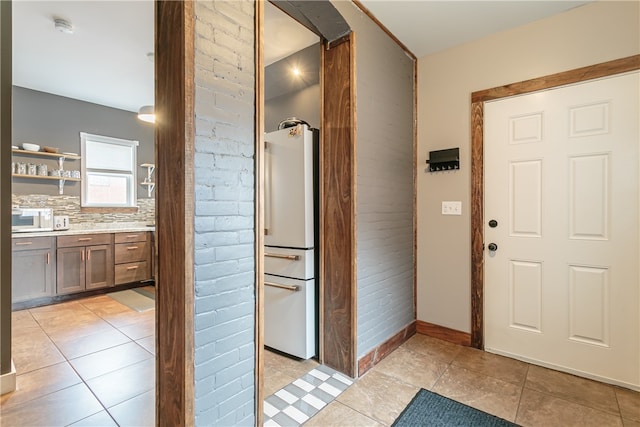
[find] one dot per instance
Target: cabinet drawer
(28, 244)
(134, 251)
(132, 272)
(131, 237)
(84, 240)
(295, 263)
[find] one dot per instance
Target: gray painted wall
(5, 187)
(384, 194)
(288, 96)
(303, 104)
(56, 121)
(224, 213)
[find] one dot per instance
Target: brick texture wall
(224, 207)
(384, 201)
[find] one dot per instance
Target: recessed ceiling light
(296, 71)
(63, 25)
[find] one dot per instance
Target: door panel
(562, 182)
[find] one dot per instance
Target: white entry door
(561, 186)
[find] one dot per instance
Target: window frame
(129, 174)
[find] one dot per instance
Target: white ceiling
(283, 35)
(105, 60)
(428, 26)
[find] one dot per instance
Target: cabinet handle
(84, 239)
(23, 243)
(48, 258)
(292, 288)
(289, 257)
(132, 236)
(88, 254)
(82, 255)
(132, 268)
(130, 248)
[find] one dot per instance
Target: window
(108, 171)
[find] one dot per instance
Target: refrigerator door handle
(267, 188)
(289, 257)
(292, 288)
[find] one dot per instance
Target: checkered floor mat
(294, 404)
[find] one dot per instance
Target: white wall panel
(525, 198)
(589, 120)
(589, 197)
(525, 295)
(525, 129)
(589, 304)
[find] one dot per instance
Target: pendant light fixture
(146, 114)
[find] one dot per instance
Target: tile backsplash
(70, 205)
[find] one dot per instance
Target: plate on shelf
(14, 147)
(70, 154)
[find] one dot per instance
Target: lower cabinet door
(71, 270)
(99, 266)
(32, 274)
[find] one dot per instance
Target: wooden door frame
(338, 263)
(605, 69)
(175, 129)
(174, 148)
(338, 302)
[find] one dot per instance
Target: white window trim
(132, 199)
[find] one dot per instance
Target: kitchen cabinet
(33, 268)
(132, 257)
(84, 262)
(60, 160)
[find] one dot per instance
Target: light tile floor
(519, 392)
(90, 362)
(85, 362)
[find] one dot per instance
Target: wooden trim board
(259, 211)
(337, 204)
(578, 75)
(383, 28)
(372, 358)
(174, 104)
(443, 333)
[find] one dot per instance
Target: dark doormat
(431, 409)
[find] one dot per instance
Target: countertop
(117, 227)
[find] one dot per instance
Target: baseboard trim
(8, 380)
(443, 333)
(372, 358)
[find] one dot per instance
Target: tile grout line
(526, 375)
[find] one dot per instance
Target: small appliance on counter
(61, 222)
(31, 219)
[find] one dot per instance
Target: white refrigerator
(289, 252)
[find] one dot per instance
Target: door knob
(493, 247)
(493, 223)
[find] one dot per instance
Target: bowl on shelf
(50, 149)
(30, 147)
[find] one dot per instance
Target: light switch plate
(452, 208)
